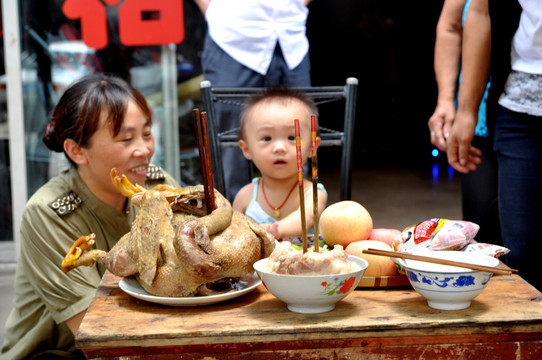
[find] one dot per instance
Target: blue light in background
(435, 152)
(435, 173)
(451, 172)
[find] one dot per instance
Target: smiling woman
(100, 122)
(113, 119)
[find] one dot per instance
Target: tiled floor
(395, 198)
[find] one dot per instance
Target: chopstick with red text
(314, 162)
(205, 159)
(300, 180)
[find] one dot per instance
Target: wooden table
(504, 322)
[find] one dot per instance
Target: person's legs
(518, 144)
(223, 71)
(279, 74)
(479, 194)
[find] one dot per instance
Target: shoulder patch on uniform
(155, 172)
(66, 204)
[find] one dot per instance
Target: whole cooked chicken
(173, 248)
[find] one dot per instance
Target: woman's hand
(462, 156)
(440, 123)
(203, 5)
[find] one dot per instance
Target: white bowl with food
(299, 280)
(448, 287)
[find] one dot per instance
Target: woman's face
(129, 152)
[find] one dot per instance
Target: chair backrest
(320, 94)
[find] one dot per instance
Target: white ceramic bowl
(310, 294)
(448, 287)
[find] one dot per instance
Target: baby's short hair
(281, 94)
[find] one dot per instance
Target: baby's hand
(273, 229)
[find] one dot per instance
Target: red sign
(140, 22)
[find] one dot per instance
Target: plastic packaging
(437, 234)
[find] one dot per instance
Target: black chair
(320, 94)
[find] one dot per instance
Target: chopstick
(208, 166)
(314, 163)
(429, 259)
(300, 180)
(205, 159)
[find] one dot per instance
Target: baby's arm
(243, 197)
(291, 224)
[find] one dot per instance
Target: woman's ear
(75, 152)
(244, 148)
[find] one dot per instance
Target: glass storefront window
(6, 221)
(55, 52)
(54, 55)
(6, 225)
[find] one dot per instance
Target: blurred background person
(252, 44)
(478, 188)
(518, 121)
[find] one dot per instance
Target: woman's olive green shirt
(45, 297)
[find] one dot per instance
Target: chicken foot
(78, 255)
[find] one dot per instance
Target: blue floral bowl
(448, 287)
(310, 294)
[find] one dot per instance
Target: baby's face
(269, 136)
